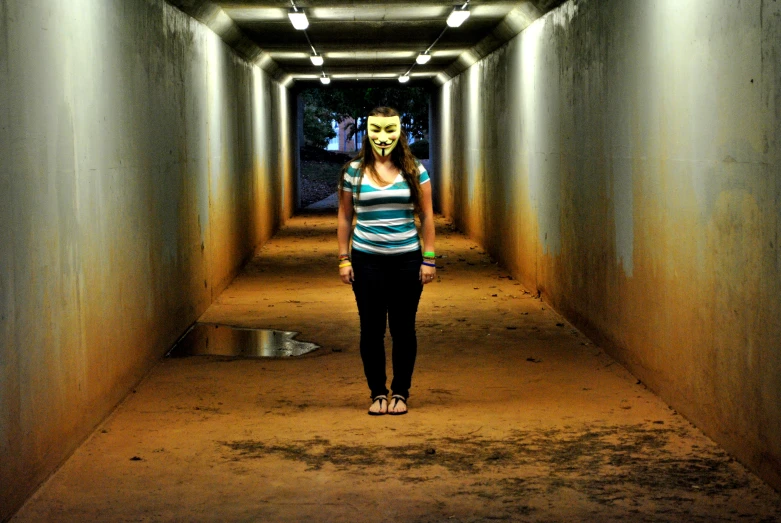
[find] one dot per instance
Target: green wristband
(429, 254)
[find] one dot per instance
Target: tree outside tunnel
(344, 108)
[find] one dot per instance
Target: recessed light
(298, 18)
(458, 16)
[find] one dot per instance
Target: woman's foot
(398, 405)
(379, 406)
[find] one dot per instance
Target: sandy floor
(514, 416)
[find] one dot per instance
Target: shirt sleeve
(424, 177)
(348, 179)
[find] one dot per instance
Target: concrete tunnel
(621, 159)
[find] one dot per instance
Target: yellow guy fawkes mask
(384, 133)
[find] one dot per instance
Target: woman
(384, 185)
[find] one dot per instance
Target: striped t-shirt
(386, 220)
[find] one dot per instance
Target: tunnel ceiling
(365, 39)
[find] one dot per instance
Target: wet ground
(205, 339)
(514, 416)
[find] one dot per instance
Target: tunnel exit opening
(331, 124)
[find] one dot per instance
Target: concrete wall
(141, 163)
(623, 158)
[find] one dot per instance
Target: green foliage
(420, 149)
(342, 103)
(317, 122)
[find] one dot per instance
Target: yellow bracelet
(345, 264)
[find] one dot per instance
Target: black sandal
(380, 399)
(396, 399)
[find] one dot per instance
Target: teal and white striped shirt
(386, 220)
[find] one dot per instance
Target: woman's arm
(344, 226)
(427, 225)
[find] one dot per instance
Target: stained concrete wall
(623, 158)
(141, 162)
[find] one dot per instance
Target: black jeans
(388, 287)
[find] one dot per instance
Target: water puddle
(222, 340)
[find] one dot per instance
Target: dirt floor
(514, 416)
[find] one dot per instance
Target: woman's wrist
(344, 261)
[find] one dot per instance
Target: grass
(318, 180)
(321, 172)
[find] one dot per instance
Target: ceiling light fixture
(423, 58)
(297, 17)
(317, 59)
(458, 16)
(455, 19)
(324, 79)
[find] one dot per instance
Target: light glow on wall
(256, 14)
(285, 55)
(521, 17)
(473, 127)
(265, 59)
(447, 53)
(287, 81)
(262, 163)
(442, 78)
(369, 55)
(363, 75)
(220, 23)
(216, 71)
(379, 13)
(283, 110)
(468, 58)
(446, 149)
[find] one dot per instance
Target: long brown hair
(401, 157)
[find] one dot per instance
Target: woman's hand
(346, 274)
(344, 226)
(427, 274)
